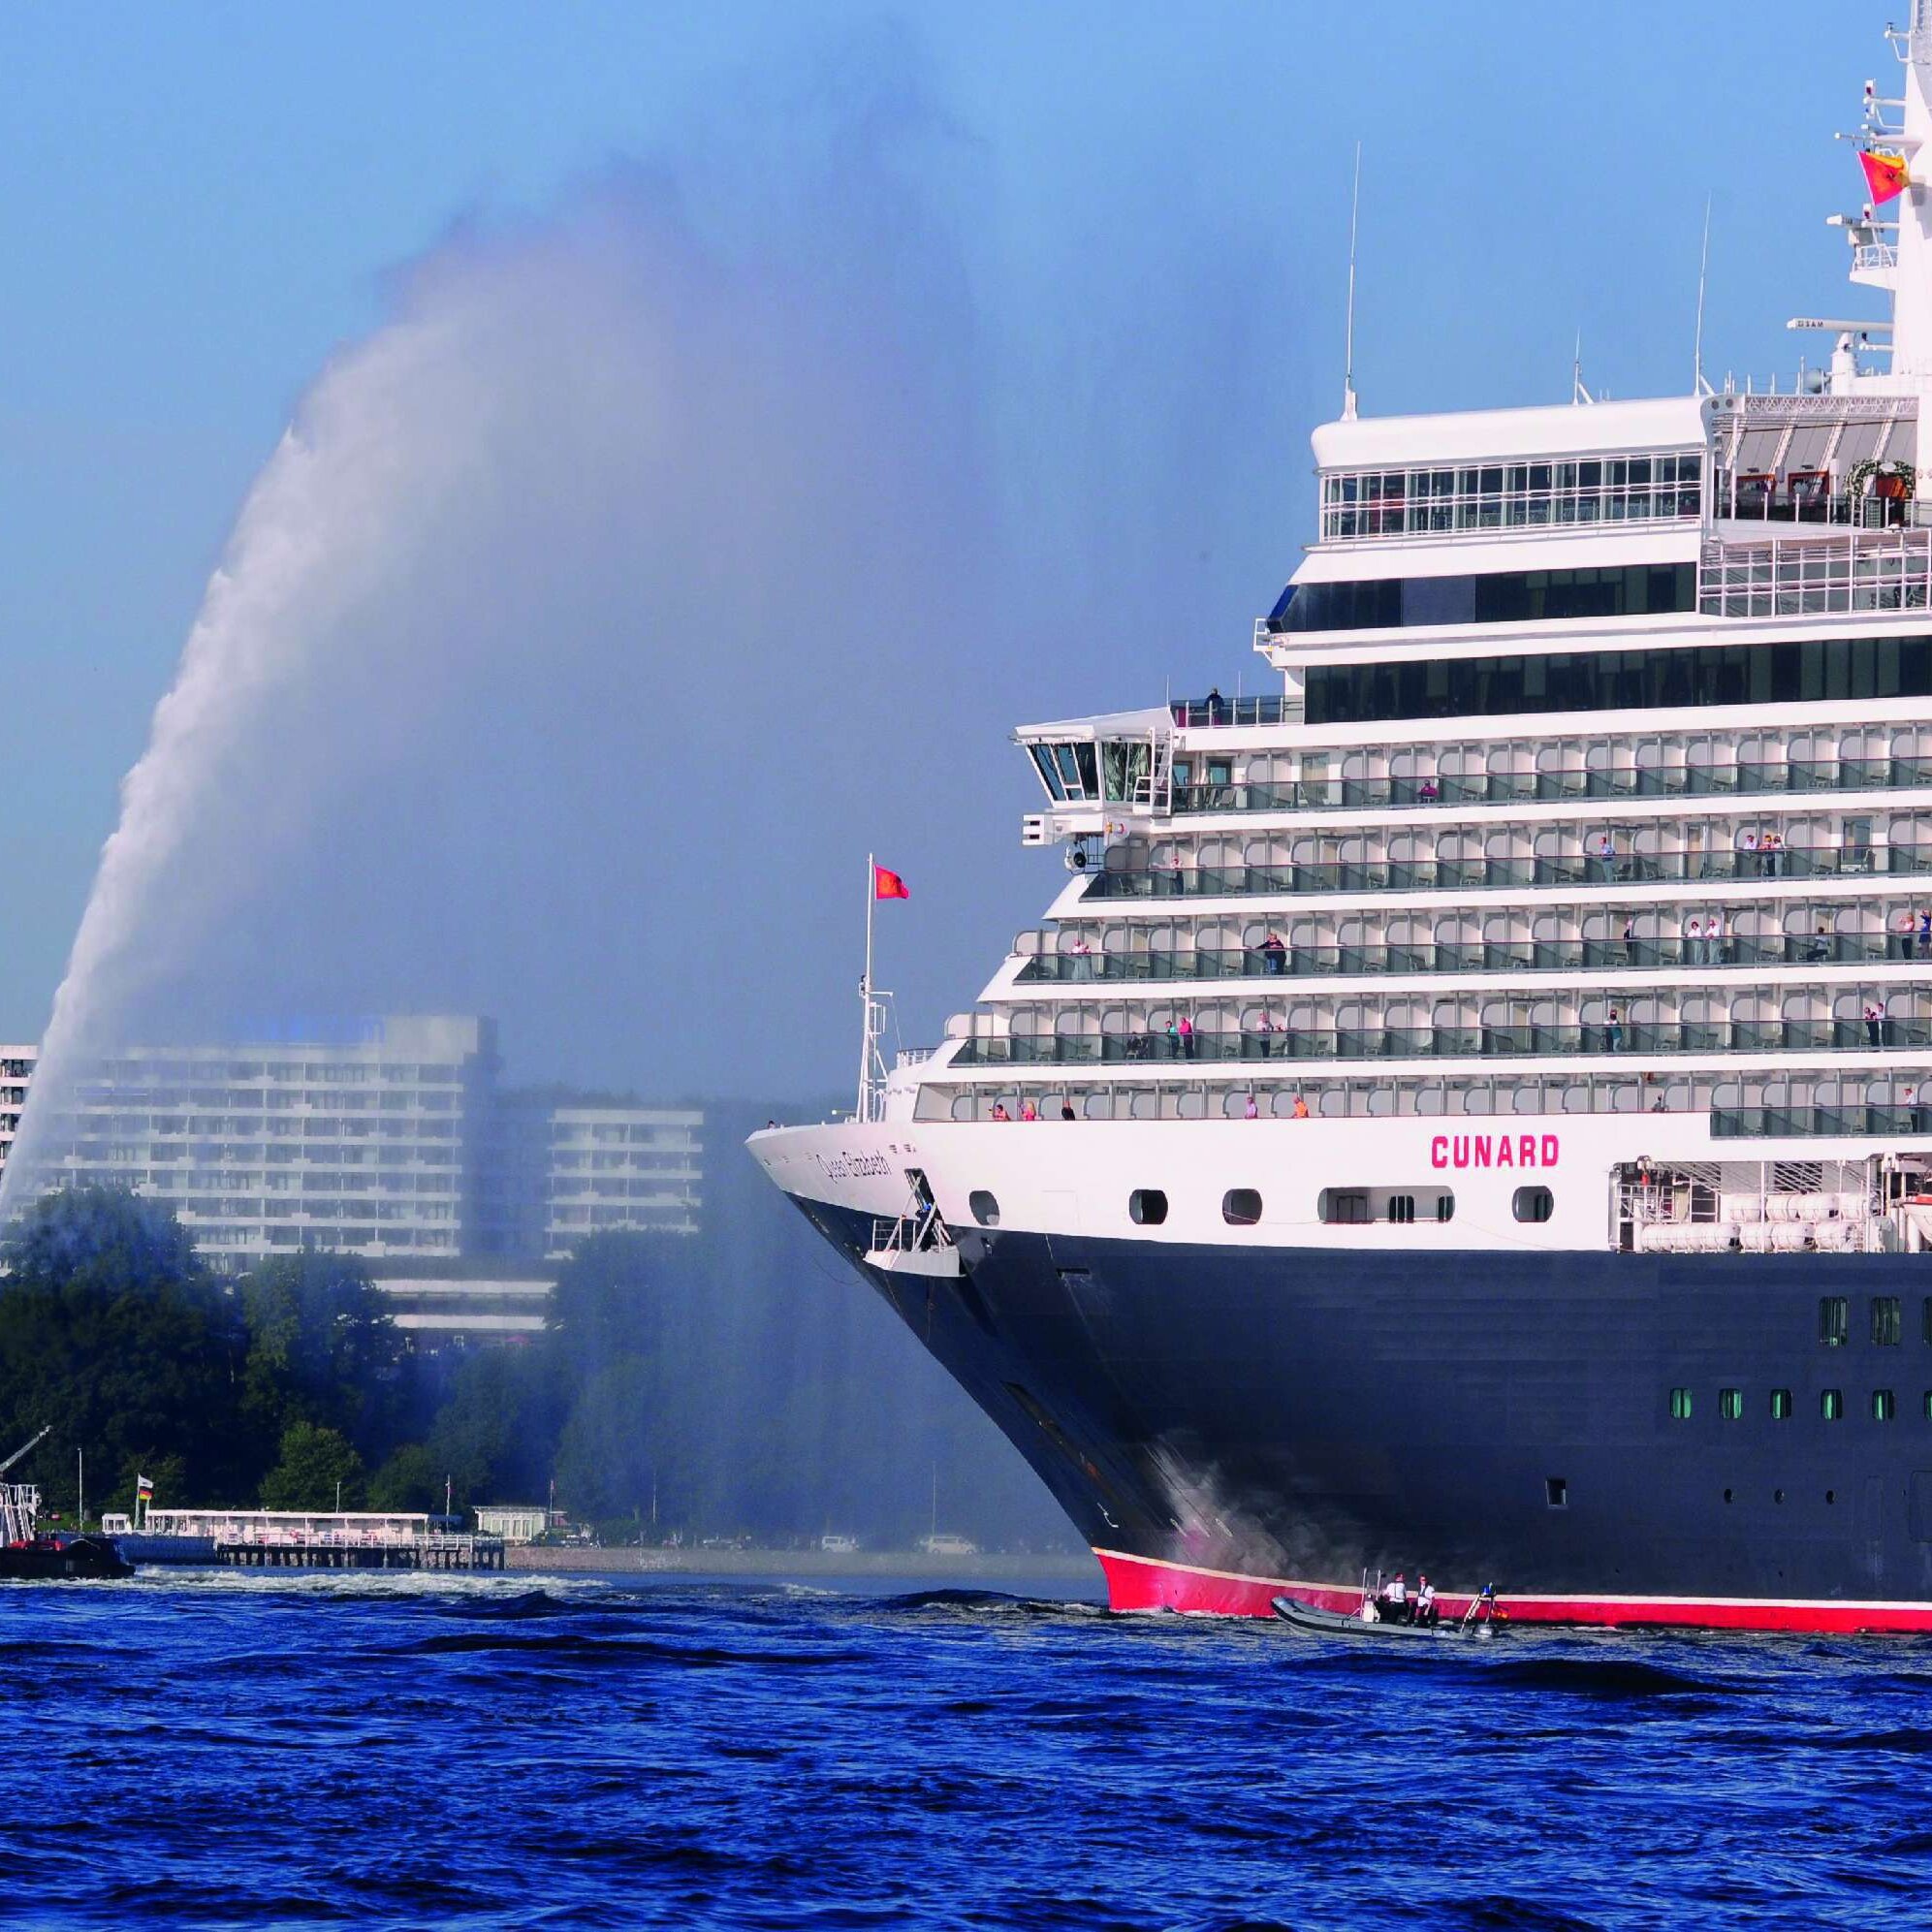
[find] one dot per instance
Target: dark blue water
(583, 1753)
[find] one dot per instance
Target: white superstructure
(1584, 839)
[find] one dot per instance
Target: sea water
(229, 1749)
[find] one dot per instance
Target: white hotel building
(391, 1142)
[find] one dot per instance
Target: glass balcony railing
(1802, 775)
(1466, 874)
(1213, 710)
(1210, 962)
(1623, 1039)
(1809, 1123)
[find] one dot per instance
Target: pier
(312, 1539)
(429, 1552)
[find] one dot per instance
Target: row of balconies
(1641, 953)
(1526, 1041)
(1433, 790)
(1661, 863)
(1744, 1104)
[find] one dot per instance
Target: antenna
(1354, 219)
(1698, 386)
(1579, 395)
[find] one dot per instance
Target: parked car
(837, 1545)
(943, 1545)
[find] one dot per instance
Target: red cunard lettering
(1498, 1151)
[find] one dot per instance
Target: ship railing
(1478, 873)
(1607, 1039)
(19, 1512)
(1447, 791)
(1731, 952)
(1897, 1119)
(1213, 712)
(1795, 576)
(917, 1233)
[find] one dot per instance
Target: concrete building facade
(391, 1141)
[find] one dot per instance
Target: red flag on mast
(888, 885)
(1887, 175)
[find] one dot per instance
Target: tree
(322, 1348)
(411, 1480)
(317, 1466)
(113, 1330)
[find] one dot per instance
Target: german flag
(1886, 176)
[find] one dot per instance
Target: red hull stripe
(1141, 1583)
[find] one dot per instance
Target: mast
(1912, 297)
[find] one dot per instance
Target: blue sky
(1149, 204)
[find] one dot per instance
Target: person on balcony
(1874, 1023)
(1300, 1108)
(1694, 941)
(1082, 960)
(1925, 936)
(1613, 1032)
(1275, 954)
(1185, 1033)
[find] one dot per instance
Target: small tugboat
(29, 1554)
(1479, 1620)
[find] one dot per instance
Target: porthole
(1777, 1496)
(1533, 1204)
(1780, 1405)
(1556, 1492)
(1727, 1496)
(1147, 1207)
(1884, 1405)
(1831, 1496)
(1831, 1405)
(1731, 1404)
(1241, 1207)
(1680, 1405)
(984, 1209)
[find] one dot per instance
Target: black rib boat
(1333, 1624)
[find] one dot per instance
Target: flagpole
(866, 990)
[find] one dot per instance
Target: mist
(658, 556)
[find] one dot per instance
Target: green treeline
(731, 1385)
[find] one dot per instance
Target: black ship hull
(53, 1558)
(1222, 1425)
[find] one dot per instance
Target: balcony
(1450, 790)
(1627, 1042)
(1479, 874)
(1215, 710)
(1731, 952)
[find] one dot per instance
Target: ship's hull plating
(1224, 1423)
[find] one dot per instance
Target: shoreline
(1057, 1566)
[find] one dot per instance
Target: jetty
(311, 1539)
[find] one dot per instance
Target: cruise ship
(1469, 1110)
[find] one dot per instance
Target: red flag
(1887, 175)
(888, 885)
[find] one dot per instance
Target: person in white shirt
(1426, 1611)
(1693, 942)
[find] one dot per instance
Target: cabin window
(1533, 1204)
(985, 1208)
(1831, 1405)
(1147, 1207)
(1730, 1403)
(1925, 1320)
(1887, 1326)
(1401, 1206)
(1241, 1207)
(1780, 1405)
(1445, 1207)
(1680, 1405)
(1556, 1492)
(1884, 1405)
(1834, 1320)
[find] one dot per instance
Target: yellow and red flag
(1886, 176)
(889, 885)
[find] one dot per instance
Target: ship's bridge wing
(1092, 766)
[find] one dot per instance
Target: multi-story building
(389, 1140)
